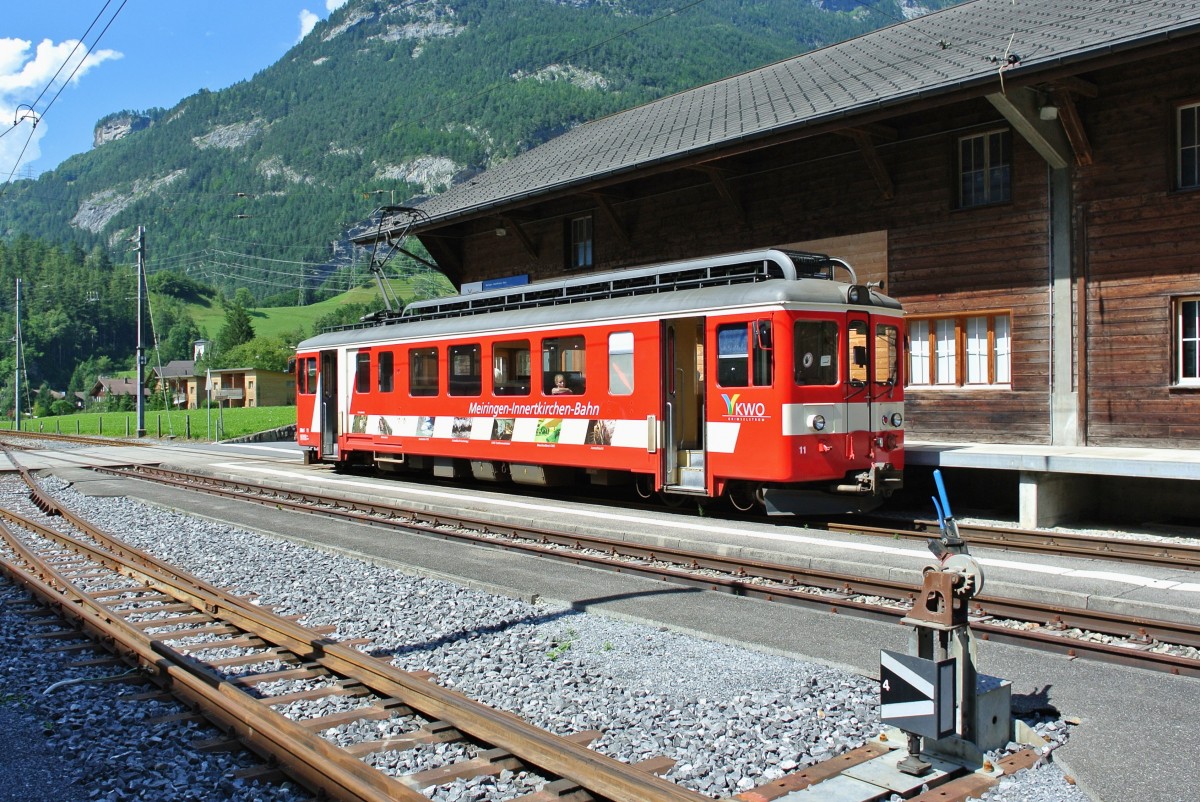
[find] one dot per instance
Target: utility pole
(17, 373)
(140, 239)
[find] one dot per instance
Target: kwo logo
(743, 410)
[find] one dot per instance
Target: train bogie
(755, 377)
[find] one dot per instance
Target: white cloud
(25, 82)
(308, 21)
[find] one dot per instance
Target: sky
(141, 54)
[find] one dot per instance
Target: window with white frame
(960, 351)
(985, 169)
(1187, 172)
(580, 256)
(1187, 342)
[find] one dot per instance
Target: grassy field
(277, 321)
(198, 424)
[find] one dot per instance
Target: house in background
(172, 380)
(243, 387)
(107, 387)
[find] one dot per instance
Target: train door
(873, 374)
(327, 391)
(683, 410)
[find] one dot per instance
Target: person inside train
(560, 385)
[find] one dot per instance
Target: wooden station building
(1024, 176)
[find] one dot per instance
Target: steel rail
(735, 575)
(311, 759)
(1146, 552)
(602, 776)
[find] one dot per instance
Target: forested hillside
(250, 192)
(390, 100)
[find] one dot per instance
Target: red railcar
(758, 377)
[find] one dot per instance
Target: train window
(887, 354)
(621, 363)
(510, 367)
(423, 371)
(733, 355)
(858, 353)
(563, 366)
(740, 346)
(306, 375)
(815, 348)
(362, 372)
(764, 357)
(387, 371)
(465, 374)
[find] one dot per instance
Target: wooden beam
(717, 177)
(610, 214)
(866, 146)
(1020, 107)
(1068, 115)
(510, 224)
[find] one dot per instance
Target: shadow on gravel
(577, 608)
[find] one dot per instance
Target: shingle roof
(952, 49)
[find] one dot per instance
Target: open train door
(683, 448)
(327, 393)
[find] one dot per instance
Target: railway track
(238, 663)
(1159, 645)
(1129, 551)
(215, 651)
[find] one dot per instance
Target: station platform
(1050, 486)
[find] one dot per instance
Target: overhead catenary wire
(41, 115)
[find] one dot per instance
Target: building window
(580, 257)
(984, 169)
(1188, 136)
(974, 351)
(1187, 342)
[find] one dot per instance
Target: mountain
(258, 185)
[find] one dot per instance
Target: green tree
(237, 329)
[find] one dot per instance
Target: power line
(40, 116)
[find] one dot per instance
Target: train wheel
(644, 484)
(670, 499)
(743, 496)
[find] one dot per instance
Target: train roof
(795, 291)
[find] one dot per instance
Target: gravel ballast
(731, 718)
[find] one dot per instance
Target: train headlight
(816, 422)
(896, 420)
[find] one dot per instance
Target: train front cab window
(745, 354)
(815, 348)
(423, 371)
(564, 366)
(465, 373)
(510, 367)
